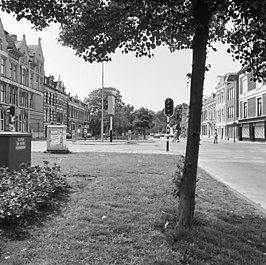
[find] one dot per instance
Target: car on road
(68, 135)
(156, 135)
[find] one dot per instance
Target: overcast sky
(143, 82)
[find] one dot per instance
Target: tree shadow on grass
(21, 229)
(218, 237)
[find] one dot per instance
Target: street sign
(111, 105)
(169, 107)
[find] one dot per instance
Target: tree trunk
(188, 189)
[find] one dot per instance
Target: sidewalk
(231, 141)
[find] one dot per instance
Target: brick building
(55, 103)
(78, 116)
(21, 84)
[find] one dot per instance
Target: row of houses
(236, 108)
(38, 100)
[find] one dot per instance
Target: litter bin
(15, 149)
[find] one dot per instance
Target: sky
(143, 82)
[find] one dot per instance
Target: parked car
(157, 135)
(68, 135)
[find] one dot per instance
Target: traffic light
(11, 110)
(169, 107)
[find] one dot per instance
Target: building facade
(78, 116)
(226, 106)
(55, 103)
(231, 106)
(252, 108)
(21, 79)
(208, 117)
(240, 108)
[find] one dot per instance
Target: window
(245, 84)
(46, 97)
(230, 93)
(23, 99)
(31, 80)
(222, 96)
(218, 98)
(37, 82)
(1, 44)
(2, 93)
(31, 101)
(3, 66)
(24, 76)
(46, 115)
(230, 113)
(13, 99)
(259, 107)
(13, 71)
(1, 121)
(245, 110)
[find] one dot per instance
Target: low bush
(24, 192)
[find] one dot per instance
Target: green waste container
(15, 149)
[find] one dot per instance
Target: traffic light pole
(111, 128)
(168, 111)
(168, 132)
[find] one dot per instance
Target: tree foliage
(96, 29)
(41, 13)
(140, 26)
(143, 119)
(94, 100)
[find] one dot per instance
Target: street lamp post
(234, 127)
(102, 101)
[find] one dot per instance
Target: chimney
(14, 37)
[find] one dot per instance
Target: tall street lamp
(102, 100)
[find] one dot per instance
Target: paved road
(240, 165)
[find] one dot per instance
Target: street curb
(257, 206)
(82, 142)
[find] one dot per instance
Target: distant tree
(177, 117)
(160, 122)
(125, 119)
(94, 100)
(96, 29)
(143, 119)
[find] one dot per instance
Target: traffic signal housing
(169, 107)
(11, 110)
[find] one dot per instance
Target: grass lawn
(120, 211)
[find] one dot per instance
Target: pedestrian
(175, 137)
(215, 137)
(177, 134)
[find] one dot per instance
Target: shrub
(177, 177)
(24, 192)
